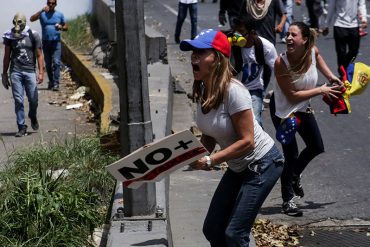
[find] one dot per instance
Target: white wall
(8, 8)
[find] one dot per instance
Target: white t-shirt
(251, 74)
(305, 81)
(217, 123)
(188, 1)
(345, 13)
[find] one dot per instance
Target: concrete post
(136, 126)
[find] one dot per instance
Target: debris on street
(267, 234)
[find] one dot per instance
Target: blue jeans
(237, 200)
(24, 81)
(183, 9)
(52, 56)
(257, 104)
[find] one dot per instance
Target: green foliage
(79, 34)
(40, 207)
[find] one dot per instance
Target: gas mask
(19, 23)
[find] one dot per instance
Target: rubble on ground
(268, 234)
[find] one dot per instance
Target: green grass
(80, 34)
(39, 210)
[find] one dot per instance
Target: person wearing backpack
(22, 50)
(251, 60)
(52, 23)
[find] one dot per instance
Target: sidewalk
(55, 121)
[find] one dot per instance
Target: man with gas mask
(52, 23)
(22, 50)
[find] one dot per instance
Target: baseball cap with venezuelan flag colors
(208, 39)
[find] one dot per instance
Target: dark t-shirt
(22, 53)
(266, 26)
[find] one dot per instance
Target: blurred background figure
(52, 23)
(22, 50)
(184, 5)
(347, 16)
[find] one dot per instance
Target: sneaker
(21, 132)
(297, 186)
(56, 88)
(290, 208)
(283, 40)
(34, 124)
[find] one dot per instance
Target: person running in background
(315, 10)
(296, 76)
(233, 10)
(266, 13)
(344, 15)
(52, 23)
(184, 5)
(21, 51)
(224, 116)
(251, 60)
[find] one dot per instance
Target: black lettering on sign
(183, 145)
(166, 154)
(127, 171)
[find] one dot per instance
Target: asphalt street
(336, 183)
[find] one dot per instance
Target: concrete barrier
(100, 89)
(105, 13)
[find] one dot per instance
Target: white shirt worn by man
(346, 13)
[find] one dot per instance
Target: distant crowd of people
(23, 50)
(232, 69)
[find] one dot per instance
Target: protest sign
(158, 159)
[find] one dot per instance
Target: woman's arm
(244, 127)
(285, 82)
(325, 70)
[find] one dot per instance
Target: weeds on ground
(55, 195)
(80, 33)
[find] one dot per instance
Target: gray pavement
(55, 121)
(336, 183)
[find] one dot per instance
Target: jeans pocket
(273, 156)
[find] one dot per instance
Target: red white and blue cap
(208, 39)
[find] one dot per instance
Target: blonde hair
(220, 78)
(311, 35)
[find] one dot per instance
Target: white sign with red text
(154, 161)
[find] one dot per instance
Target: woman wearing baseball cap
(225, 117)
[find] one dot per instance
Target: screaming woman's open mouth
(195, 67)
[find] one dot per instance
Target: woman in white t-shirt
(296, 76)
(225, 116)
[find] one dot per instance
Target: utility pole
(136, 126)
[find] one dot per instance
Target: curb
(100, 88)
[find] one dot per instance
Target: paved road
(336, 183)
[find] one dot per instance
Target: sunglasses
(51, 3)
